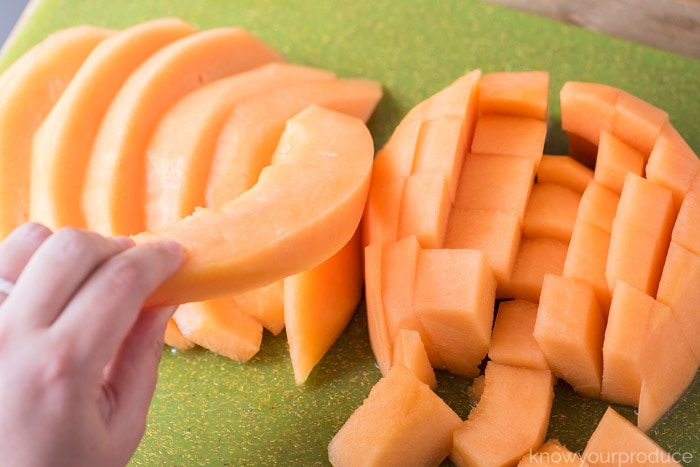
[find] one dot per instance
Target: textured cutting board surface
(212, 411)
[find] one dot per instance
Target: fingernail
(124, 242)
(173, 247)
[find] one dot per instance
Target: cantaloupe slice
(536, 258)
(380, 222)
(307, 204)
(410, 351)
(425, 208)
(180, 151)
(564, 170)
(614, 160)
(510, 419)
(318, 305)
(114, 185)
(551, 454)
(266, 304)
(638, 122)
(587, 109)
(30, 88)
(506, 134)
(63, 142)
(569, 329)
(519, 93)
(551, 211)
(512, 340)
(379, 339)
(401, 422)
(685, 230)
(616, 441)
(598, 206)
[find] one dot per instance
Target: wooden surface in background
(672, 25)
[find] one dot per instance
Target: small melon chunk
(410, 350)
(551, 211)
(587, 109)
(266, 304)
(536, 258)
(401, 422)
(615, 159)
(552, 454)
(569, 329)
(425, 208)
(598, 206)
(377, 327)
(685, 231)
(399, 265)
(616, 441)
(512, 340)
(174, 337)
(520, 93)
(380, 222)
(506, 134)
(510, 419)
(564, 170)
(638, 122)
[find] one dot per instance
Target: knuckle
(71, 242)
(126, 275)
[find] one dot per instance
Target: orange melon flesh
(616, 441)
(569, 329)
(399, 265)
(536, 258)
(598, 206)
(685, 231)
(425, 208)
(454, 299)
(410, 351)
(640, 235)
(551, 454)
(180, 151)
(30, 88)
(401, 422)
(615, 159)
(506, 134)
(395, 159)
(250, 133)
(512, 340)
(113, 196)
(551, 211)
(625, 332)
(637, 122)
(379, 338)
(510, 419)
(218, 325)
(266, 304)
(300, 221)
(318, 305)
(523, 94)
(174, 337)
(380, 222)
(587, 109)
(668, 366)
(564, 170)
(63, 142)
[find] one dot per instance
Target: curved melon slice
(114, 184)
(64, 141)
(306, 205)
(248, 138)
(30, 88)
(180, 152)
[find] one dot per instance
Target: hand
(78, 356)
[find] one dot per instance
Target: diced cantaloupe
(510, 419)
(495, 233)
(625, 332)
(266, 304)
(640, 235)
(399, 265)
(615, 158)
(507, 134)
(587, 109)
(598, 206)
(617, 441)
(638, 122)
(564, 170)
(519, 93)
(401, 422)
(410, 351)
(569, 329)
(318, 305)
(685, 231)
(512, 340)
(536, 258)
(425, 208)
(551, 454)
(30, 88)
(174, 337)
(551, 211)
(380, 222)
(395, 159)
(63, 142)
(454, 299)
(377, 327)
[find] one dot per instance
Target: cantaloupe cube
(622, 348)
(425, 207)
(380, 222)
(410, 351)
(495, 233)
(519, 93)
(401, 422)
(174, 337)
(510, 419)
(536, 257)
(495, 181)
(454, 302)
(266, 304)
(512, 340)
(686, 231)
(551, 211)
(379, 338)
(506, 134)
(395, 158)
(616, 441)
(551, 454)
(564, 170)
(679, 289)
(598, 206)
(569, 329)
(637, 122)
(587, 108)
(668, 366)
(640, 235)
(616, 158)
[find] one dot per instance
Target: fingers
(17, 248)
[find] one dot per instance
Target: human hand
(78, 357)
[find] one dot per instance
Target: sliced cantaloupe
(377, 327)
(551, 211)
(564, 170)
(249, 135)
(454, 295)
(410, 351)
(512, 340)
(507, 134)
(551, 454)
(306, 205)
(318, 305)
(616, 441)
(401, 422)
(266, 304)
(425, 208)
(510, 419)
(598, 206)
(638, 122)
(587, 109)
(180, 151)
(30, 88)
(114, 185)
(380, 222)
(63, 142)
(685, 231)
(536, 258)
(519, 93)
(614, 160)
(569, 329)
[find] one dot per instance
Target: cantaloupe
(425, 208)
(266, 304)
(174, 337)
(506, 134)
(685, 231)
(614, 160)
(519, 93)
(564, 170)
(536, 257)
(512, 339)
(379, 339)
(638, 122)
(551, 211)
(598, 206)
(410, 351)
(30, 88)
(588, 109)
(401, 422)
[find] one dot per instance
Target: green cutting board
(211, 411)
